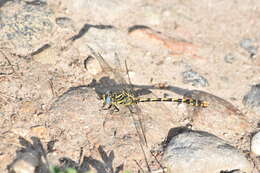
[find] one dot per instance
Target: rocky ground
(50, 111)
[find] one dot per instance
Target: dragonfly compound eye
(107, 100)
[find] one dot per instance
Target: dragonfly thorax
(118, 98)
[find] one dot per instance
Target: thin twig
(145, 158)
(139, 166)
(155, 158)
(52, 88)
(80, 155)
(10, 64)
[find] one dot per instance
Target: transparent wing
(135, 111)
(107, 68)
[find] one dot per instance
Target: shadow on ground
(33, 156)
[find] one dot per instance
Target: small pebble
(252, 98)
(229, 58)
(64, 22)
(249, 46)
(92, 66)
(255, 144)
(194, 78)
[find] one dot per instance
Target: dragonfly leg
(106, 108)
(113, 108)
(116, 109)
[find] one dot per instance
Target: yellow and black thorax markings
(119, 98)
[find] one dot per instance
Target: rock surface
(201, 152)
(252, 98)
(24, 26)
(255, 144)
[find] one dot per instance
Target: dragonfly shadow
(115, 82)
(174, 89)
(106, 84)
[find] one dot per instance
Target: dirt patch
(49, 88)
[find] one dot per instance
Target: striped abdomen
(177, 100)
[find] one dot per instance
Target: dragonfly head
(107, 99)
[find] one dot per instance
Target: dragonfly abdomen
(177, 100)
(155, 100)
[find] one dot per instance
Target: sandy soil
(47, 88)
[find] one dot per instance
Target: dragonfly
(123, 94)
(125, 97)
(115, 90)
